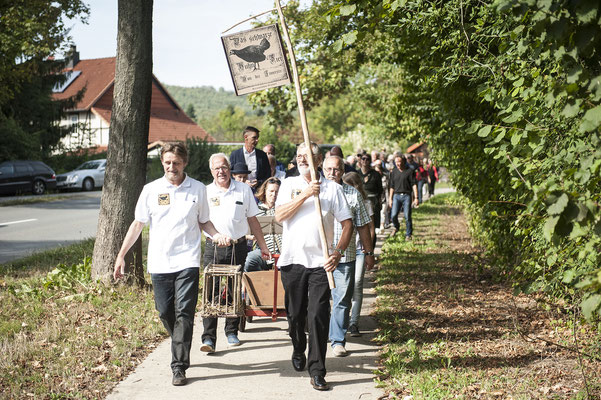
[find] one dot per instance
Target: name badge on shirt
(215, 201)
(164, 199)
(295, 192)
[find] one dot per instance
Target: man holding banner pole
(303, 264)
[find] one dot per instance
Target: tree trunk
(128, 140)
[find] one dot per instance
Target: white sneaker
(339, 351)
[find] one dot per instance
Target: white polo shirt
(251, 162)
(229, 209)
(301, 243)
(173, 213)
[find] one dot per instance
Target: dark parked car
(26, 176)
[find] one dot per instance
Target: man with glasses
(302, 260)
(344, 274)
(233, 209)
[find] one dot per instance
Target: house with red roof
(92, 114)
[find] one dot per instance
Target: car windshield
(90, 165)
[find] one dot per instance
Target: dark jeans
(298, 282)
(377, 207)
(175, 297)
(404, 201)
(431, 188)
(222, 255)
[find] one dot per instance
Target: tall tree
(126, 158)
(30, 32)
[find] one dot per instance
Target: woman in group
(266, 194)
(355, 180)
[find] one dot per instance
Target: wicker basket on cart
(222, 291)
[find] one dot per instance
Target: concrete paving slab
(260, 368)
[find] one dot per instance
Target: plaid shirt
(360, 218)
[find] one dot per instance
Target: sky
(187, 49)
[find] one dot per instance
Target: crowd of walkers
(358, 195)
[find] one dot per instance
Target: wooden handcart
(263, 292)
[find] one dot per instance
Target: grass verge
(450, 329)
(63, 336)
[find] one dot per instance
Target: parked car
(87, 176)
(26, 176)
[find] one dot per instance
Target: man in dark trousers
(402, 185)
(254, 158)
(302, 260)
(175, 206)
(372, 183)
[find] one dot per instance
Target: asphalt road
(29, 228)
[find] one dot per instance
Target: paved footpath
(260, 368)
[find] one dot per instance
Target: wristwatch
(341, 252)
(368, 253)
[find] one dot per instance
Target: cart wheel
(242, 324)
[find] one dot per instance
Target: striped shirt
(360, 218)
(273, 242)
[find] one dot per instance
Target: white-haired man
(233, 209)
(302, 260)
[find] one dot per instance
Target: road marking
(18, 222)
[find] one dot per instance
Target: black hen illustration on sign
(253, 53)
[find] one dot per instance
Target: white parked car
(87, 176)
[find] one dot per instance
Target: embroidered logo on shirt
(215, 201)
(164, 199)
(295, 192)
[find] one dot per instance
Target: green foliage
(69, 277)
(508, 96)
(32, 30)
(206, 100)
(199, 152)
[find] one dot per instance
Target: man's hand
(415, 202)
(119, 270)
(370, 261)
(332, 261)
(222, 240)
(265, 254)
(311, 190)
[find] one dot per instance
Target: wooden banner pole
(303, 118)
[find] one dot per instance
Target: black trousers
(222, 255)
(175, 297)
(298, 282)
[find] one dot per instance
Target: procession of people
(358, 196)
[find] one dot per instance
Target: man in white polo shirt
(176, 208)
(302, 262)
(233, 210)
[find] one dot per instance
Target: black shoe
(319, 383)
(298, 361)
(354, 331)
(179, 378)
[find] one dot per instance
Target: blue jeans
(420, 189)
(398, 201)
(344, 278)
(175, 297)
(254, 262)
(357, 301)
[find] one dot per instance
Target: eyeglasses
(273, 180)
(222, 168)
(332, 170)
(365, 158)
